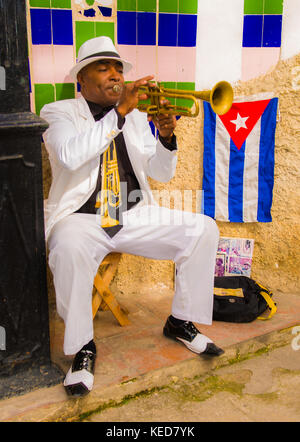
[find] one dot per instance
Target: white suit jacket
(74, 142)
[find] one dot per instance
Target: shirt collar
(97, 110)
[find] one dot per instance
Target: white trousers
(77, 246)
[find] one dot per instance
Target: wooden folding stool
(103, 298)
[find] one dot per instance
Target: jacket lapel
(84, 111)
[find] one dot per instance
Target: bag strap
(270, 303)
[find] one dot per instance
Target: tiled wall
(261, 36)
(159, 37)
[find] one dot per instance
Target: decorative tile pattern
(159, 37)
(262, 23)
(127, 23)
(257, 61)
(262, 29)
(62, 27)
(44, 93)
(63, 60)
(272, 31)
(85, 30)
(64, 91)
(41, 30)
(51, 26)
(42, 65)
(40, 3)
(146, 28)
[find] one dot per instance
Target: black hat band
(102, 54)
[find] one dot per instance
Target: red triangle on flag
(241, 118)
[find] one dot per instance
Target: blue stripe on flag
(236, 178)
(266, 162)
(209, 161)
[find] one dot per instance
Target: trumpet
(220, 98)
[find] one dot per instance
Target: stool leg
(110, 300)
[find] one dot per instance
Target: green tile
(188, 87)
(84, 31)
(273, 7)
(188, 6)
(169, 85)
(146, 5)
(66, 4)
(127, 5)
(105, 28)
(64, 91)
(40, 3)
(90, 2)
(44, 93)
(168, 5)
(253, 6)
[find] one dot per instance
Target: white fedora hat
(98, 48)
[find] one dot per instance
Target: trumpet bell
(221, 97)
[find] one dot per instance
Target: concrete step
(138, 357)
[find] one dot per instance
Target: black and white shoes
(80, 378)
(188, 334)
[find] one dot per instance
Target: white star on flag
(239, 122)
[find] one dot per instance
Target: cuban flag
(238, 161)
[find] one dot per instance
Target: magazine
(234, 256)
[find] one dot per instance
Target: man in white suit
(86, 134)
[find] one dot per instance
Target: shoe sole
(77, 390)
(170, 336)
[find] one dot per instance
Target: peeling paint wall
(253, 69)
(277, 244)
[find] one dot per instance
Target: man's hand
(130, 95)
(165, 123)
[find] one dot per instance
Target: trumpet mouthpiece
(117, 89)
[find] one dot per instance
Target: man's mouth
(117, 89)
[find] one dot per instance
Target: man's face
(97, 80)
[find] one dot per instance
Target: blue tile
(41, 26)
(272, 31)
(187, 30)
(146, 28)
(126, 27)
(89, 12)
(252, 32)
(167, 29)
(106, 12)
(62, 27)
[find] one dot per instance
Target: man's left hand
(165, 123)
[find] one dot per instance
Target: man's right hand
(130, 95)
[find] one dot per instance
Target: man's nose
(114, 73)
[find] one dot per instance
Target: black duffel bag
(241, 299)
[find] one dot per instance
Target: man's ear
(79, 78)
